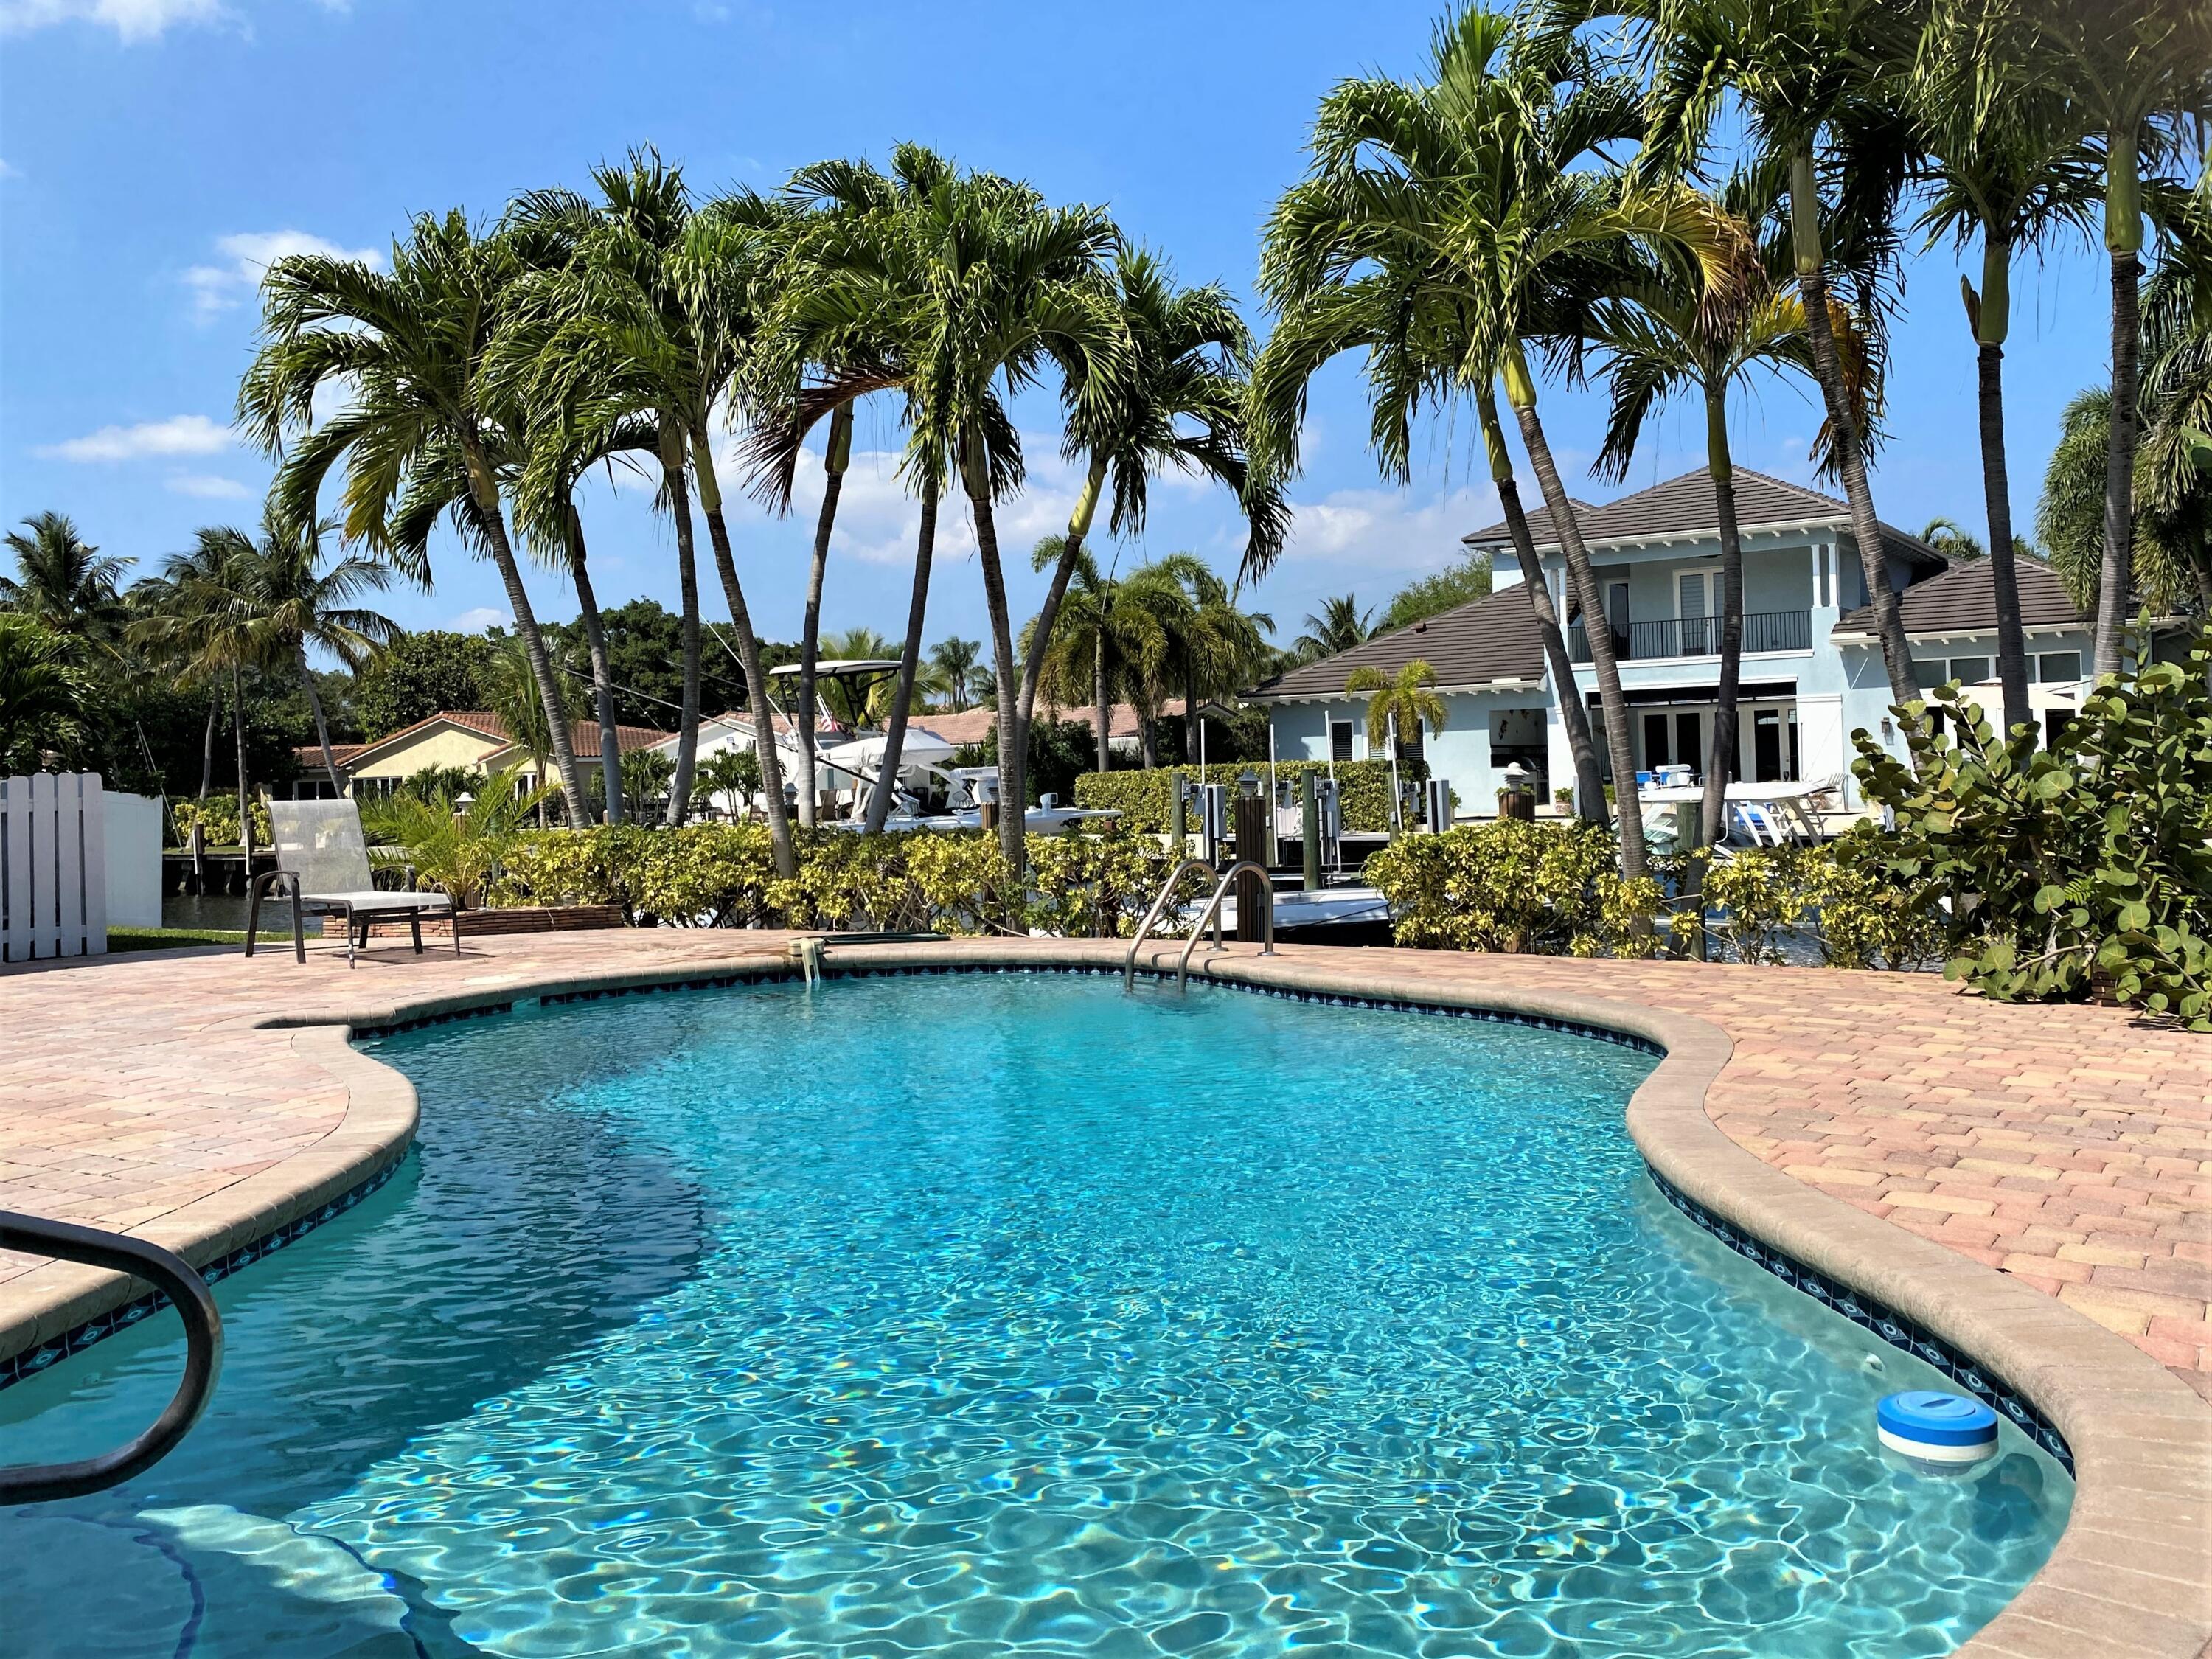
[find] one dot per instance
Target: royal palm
(407, 351)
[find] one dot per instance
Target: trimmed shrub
(723, 875)
(1144, 800)
(1845, 902)
(1514, 885)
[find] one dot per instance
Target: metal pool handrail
(1167, 891)
(172, 1275)
(1213, 913)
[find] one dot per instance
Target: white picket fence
(53, 866)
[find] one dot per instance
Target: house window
(1970, 670)
(1340, 740)
(2058, 667)
(1654, 742)
(1822, 565)
(1697, 608)
(2055, 722)
(1930, 675)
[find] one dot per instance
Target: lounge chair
(322, 861)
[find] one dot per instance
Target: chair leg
(299, 926)
(350, 937)
(415, 929)
(454, 917)
(253, 914)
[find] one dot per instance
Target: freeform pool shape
(980, 1315)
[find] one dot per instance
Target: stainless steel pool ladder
(1211, 912)
(172, 1275)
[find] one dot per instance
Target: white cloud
(1388, 530)
(180, 435)
(483, 617)
(210, 486)
(879, 516)
(9, 170)
(133, 21)
(217, 287)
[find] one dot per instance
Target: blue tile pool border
(43, 1356)
(1861, 1309)
(1884, 1321)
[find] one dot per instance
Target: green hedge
(1549, 889)
(221, 812)
(723, 875)
(1145, 800)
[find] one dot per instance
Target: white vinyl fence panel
(53, 866)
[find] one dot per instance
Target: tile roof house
(469, 739)
(1812, 671)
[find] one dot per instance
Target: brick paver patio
(2070, 1147)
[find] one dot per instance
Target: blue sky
(153, 152)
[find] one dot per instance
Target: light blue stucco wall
(1838, 687)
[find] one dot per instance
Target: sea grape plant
(2078, 869)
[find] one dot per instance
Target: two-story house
(1812, 671)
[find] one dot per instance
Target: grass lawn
(169, 938)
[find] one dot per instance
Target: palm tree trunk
(1720, 763)
(1078, 527)
(245, 798)
(207, 744)
(1844, 426)
(1990, 314)
(486, 492)
(1589, 779)
(1521, 393)
(1013, 748)
(925, 549)
(749, 658)
(687, 571)
(1100, 708)
(322, 725)
(2116, 577)
(602, 680)
(837, 456)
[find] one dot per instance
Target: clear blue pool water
(987, 1315)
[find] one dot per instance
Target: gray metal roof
(1964, 600)
(1490, 639)
(1685, 506)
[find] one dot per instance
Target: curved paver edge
(2130, 1578)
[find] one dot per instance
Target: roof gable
(1687, 505)
(475, 722)
(1486, 640)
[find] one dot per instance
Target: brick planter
(534, 918)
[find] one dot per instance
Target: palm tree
(1210, 646)
(46, 693)
(1189, 362)
(953, 661)
(70, 586)
(859, 644)
(202, 629)
(1666, 334)
(1812, 83)
(1105, 641)
(408, 351)
(1337, 626)
(2001, 160)
(511, 693)
(1396, 703)
(650, 317)
(2132, 72)
(1440, 223)
(1953, 540)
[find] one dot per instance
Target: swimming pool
(984, 1315)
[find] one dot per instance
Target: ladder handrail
(1167, 891)
(172, 1275)
(1213, 913)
